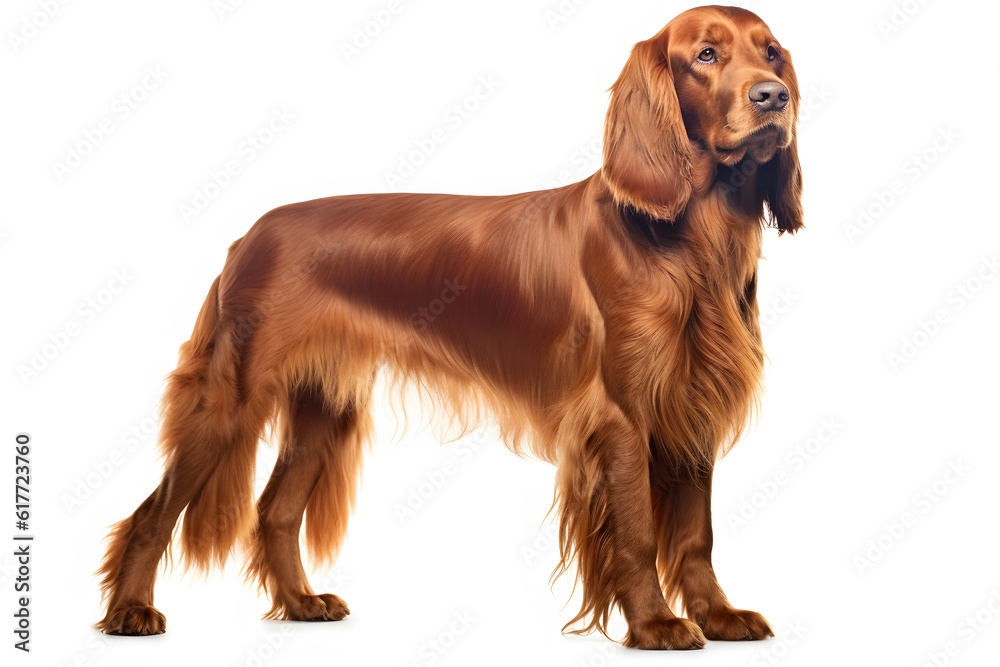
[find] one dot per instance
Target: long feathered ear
(647, 155)
(781, 184)
(780, 180)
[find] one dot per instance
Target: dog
(609, 327)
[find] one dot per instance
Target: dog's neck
(721, 228)
(724, 234)
(731, 192)
(739, 185)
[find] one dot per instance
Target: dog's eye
(707, 56)
(772, 53)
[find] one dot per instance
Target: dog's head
(714, 87)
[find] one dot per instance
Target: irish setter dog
(609, 327)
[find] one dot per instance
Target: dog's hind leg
(209, 435)
(316, 474)
(137, 544)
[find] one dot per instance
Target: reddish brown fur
(609, 326)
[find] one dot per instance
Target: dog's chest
(686, 343)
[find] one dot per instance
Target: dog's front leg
(683, 517)
(607, 523)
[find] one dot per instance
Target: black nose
(769, 96)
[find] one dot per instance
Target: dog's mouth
(761, 145)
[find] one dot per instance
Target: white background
(838, 300)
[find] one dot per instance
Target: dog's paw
(326, 607)
(730, 624)
(665, 634)
(133, 620)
